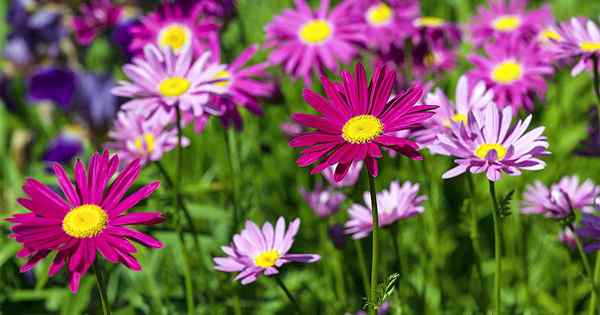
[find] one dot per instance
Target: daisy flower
(397, 203)
(324, 202)
(348, 181)
(432, 58)
(431, 29)
(567, 237)
(580, 38)
(514, 71)
(508, 18)
(356, 119)
(163, 80)
(176, 29)
(136, 136)
(386, 23)
(488, 143)
(561, 198)
(95, 16)
(590, 232)
(256, 251)
(304, 40)
(467, 98)
(91, 217)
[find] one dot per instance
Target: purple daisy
(579, 38)
(95, 16)
(177, 29)
(91, 219)
(561, 198)
(590, 232)
(567, 237)
(433, 58)
(397, 203)
(431, 30)
(305, 40)
(324, 202)
(508, 18)
(348, 181)
(514, 71)
(136, 136)
(65, 147)
(488, 143)
(257, 251)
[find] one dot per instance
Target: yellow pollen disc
(379, 14)
(266, 259)
(224, 76)
(460, 118)
(175, 36)
(174, 86)
(507, 72)
(590, 46)
(315, 32)
(429, 21)
(84, 221)
(550, 34)
(506, 23)
(483, 150)
(145, 143)
(362, 129)
(431, 59)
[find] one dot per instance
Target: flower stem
(229, 147)
(596, 83)
(187, 277)
(288, 293)
(375, 246)
(474, 235)
(586, 268)
(593, 302)
(101, 289)
(362, 265)
(497, 248)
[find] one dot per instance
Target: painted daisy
(324, 202)
(579, 38)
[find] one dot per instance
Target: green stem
(288, 293)
(362, 265)
(187, 277)
(596, 83)
(101, 288)
(375, 246)
(474, 235)
(497, 248)
(596, 275)
(229, 141)
(394, 234)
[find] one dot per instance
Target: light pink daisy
(579, 38)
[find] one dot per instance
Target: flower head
(567, 237)
(95, 16)
(579, 38)
(257, 251)
(306, 41)
(488, 143)
(65, 147)
(590, 232)
(91, 217)
(349, 180)
(435, 30)
(357, 119)
(324, 202)
(397, 203)
(514, 71)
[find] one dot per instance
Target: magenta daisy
(435, 30)
(177, 29)
(508, 18)
(163, 79)
(91, 218)
(304, 40)
(488, 143)
(256, 251)
(514, 71)
(579, 38)
(95, 16)
(386, 23)
(136, 136)
(356, 119)
(397, 203)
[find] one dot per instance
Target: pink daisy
(579, 38)
(95, 16)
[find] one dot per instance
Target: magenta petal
(137, 236)
(134, 198)
(147, 218)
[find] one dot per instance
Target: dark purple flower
(94, 101)
(337, 235)
(63, 148)
(121, 34)
(591, 145)
(95, 16)
(52, 84)
(590, 232)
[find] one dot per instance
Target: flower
(432, 58)
(135, 136)
(591, 145)
(53, 84)
(448, 113)
(349, 180)
(385, 23)
(435, 30)
(508, 18)
(290, 128)
(567, 237)
(397, 203)
(488, 143)
(243, 87)
(324, 202)
(382, 310)
(514, 71)
(93, 100)
(305, 40)
(163, 79)
(590, 232)
(65, 147)
(92, 218)
(356, 119)
(176, 29)
(95, 16)
(560, 199)
(337, 235)
(579, 38)
(257, 251)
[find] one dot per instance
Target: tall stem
(375, 246)
(101, 288)
(362, 265)
(288, 293)
(187, 277)
(474, 234)
(229, 142)
(592, 309)
(497, 248)
(596, 84)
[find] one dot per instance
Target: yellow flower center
(431, 59)
(483, 150)
(550, 34)
(506, 23)
(429, 21)
(507, 72)
(590, 46)
(315, 32)
(145, 143)
(379, 14)
(266, 259)
(85, 221)
(362, 129)
(175, 36)
(460, 118)
(224, 76)
(174, 86)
